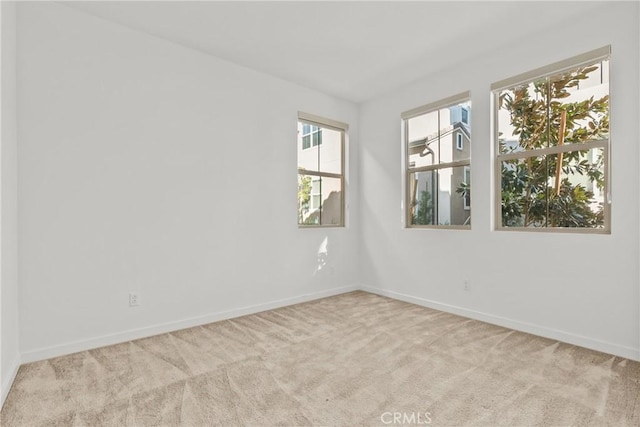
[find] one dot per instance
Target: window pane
(422, 197)
(435, 137)
(579, 105)
(438, 197)
(452, 129)
(422, 137)
(331, 199)
(524, 192)
(319, 200)
(306, 142)
(536, 193)
(576, 189)
(451, 192)
(307, 155)
(522, 117)
(305, 209)
(330, 151)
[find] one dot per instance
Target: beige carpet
(353, 359)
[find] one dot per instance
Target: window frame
(603, 53)
(343, 128)
(459, 141)
(407, 170)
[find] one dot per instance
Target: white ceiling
(353, 50)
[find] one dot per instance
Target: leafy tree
(304, 195)
(424, 214)
(531, 193)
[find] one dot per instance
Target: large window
(552, 147)
(320, 171)
(437, 146)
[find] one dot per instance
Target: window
(320, 171)
(464, 116)
(311, 135)
(437, 184)
(552, 147)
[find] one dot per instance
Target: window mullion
(566, 148)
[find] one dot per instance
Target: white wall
(9, 349)
(578, 288)
(130, 178)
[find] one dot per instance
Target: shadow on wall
(330, 211)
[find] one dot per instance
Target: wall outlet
(466, 285)
(134, 299)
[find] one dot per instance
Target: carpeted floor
(353, 359)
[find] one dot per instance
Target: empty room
(341, 213)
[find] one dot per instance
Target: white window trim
(459, 141)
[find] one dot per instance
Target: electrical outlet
(134, 299)
(467, 286)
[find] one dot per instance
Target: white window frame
(322, 122)
(408, 170)
(459, 141)
(603, 53)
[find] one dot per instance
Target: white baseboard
(6, 385)
(133, 334)
(91, 343)
(567, 337)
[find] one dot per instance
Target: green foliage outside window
(541, 117)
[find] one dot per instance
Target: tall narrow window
(437, 145)
(552, 146)
(320, 171)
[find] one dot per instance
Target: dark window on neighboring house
(465, 116)
(311, 135)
